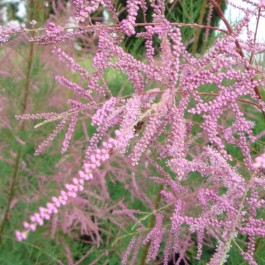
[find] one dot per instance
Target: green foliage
(18, 145)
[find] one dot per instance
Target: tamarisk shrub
(183, 104)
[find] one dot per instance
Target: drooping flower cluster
(71, 191)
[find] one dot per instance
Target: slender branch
(14, 177)
(238, 46)
(255, 35)
(10, 196)
(228, 26)
(198, 31)
(93, 27)
(151, 225)
(228, 243)
(18, 156)
(63, 115)
(239, 99)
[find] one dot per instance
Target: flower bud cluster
(128, 25)
(84, 8)
(8, 31)
(103, 114)
(71, 190)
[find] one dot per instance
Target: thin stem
(27, 83)
(14, 177)
(227, 246)
(198, 31)
(10, 196)
(238, 99)
(63, 115)
(35, 246)
(151, 225)
(93, 27)
(238, 46)
(255, 35)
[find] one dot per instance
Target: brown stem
(27, 83)
(14, 176)
(18, 156)
(255, 35)
(203, 94)
(239, 99)
(198, 31)
(238, 46)
(228, 26)
(10, 196)
(92, 27)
